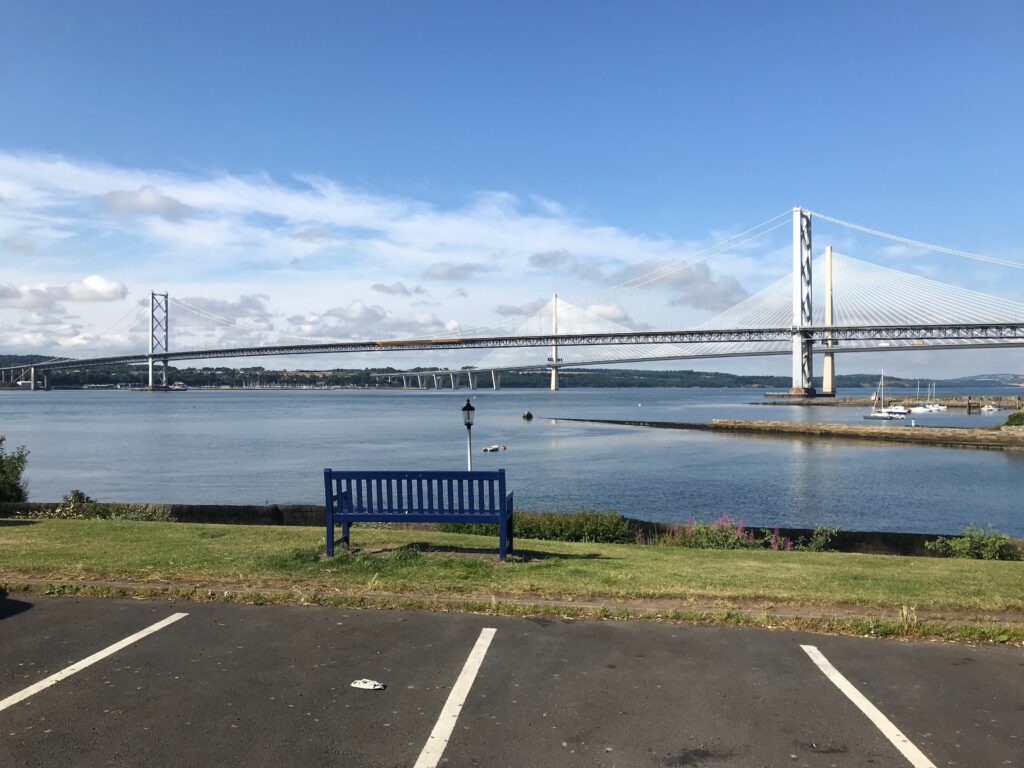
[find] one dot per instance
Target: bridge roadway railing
(947, 332)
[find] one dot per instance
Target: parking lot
(228, 685)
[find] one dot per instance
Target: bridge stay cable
(920, 244)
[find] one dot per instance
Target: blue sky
(279, 162)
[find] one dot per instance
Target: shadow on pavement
(10, 607)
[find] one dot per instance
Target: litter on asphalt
(368, 685)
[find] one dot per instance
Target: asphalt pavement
(236, 685)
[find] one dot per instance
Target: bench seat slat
(420, 517)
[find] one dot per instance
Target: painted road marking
(67, 672)
(434, 748)
(890, 731)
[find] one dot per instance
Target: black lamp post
(467, 417)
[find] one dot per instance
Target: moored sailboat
(878, 410)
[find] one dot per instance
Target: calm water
(253, 447)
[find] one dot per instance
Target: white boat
(492, 449)
(878, 410)
(921, 406)
(989, 408)
(930, 404)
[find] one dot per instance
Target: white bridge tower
(803, 310)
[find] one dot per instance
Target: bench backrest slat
(369, 493)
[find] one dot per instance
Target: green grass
(423, 564)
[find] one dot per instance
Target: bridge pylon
(158, 333)
(803, 315)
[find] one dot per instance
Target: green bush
(977, 544)
(723, 533)
(12, 466)
(606, 527)
(1016, 419)
(820, 540)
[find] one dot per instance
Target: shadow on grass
(5, 521)
(488, 553)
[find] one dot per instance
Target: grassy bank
(430, 569)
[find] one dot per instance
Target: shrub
(977, 544)
(606, 527)
(78, 506)
(1016, 419)
(12, 466)
(819, 541)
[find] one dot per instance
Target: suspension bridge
(858, 307)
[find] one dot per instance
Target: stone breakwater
(1007, 438)
(971, 402)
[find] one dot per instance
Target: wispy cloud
(397, 289)
(19, 244)
(146, 200)
(308, 242)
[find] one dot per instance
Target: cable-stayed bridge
(858, 307)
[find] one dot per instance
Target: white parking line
(890, 731)
(434, 748)
(67, 672)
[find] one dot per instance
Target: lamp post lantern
(467, 418)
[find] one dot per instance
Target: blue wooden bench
(416, 497)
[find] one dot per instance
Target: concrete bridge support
(803, 316)
(32, 378)
(471, 377)
(554, 347)
(454, 384)
(495, 380)
(828, 372)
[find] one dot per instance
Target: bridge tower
(554, 345)
(158, 332)
(803, 316)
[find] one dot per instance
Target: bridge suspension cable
(919, 244)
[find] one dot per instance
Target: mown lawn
(427, 563)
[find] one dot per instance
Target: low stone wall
(272, 514)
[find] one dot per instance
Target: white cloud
(94, 288)
(446, 270)
(358, 320)
(145, 200)
(612, 312)
(397, 289)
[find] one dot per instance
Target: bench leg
(330, 534)
(509, 532)
(344, 535)
(502, 541)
